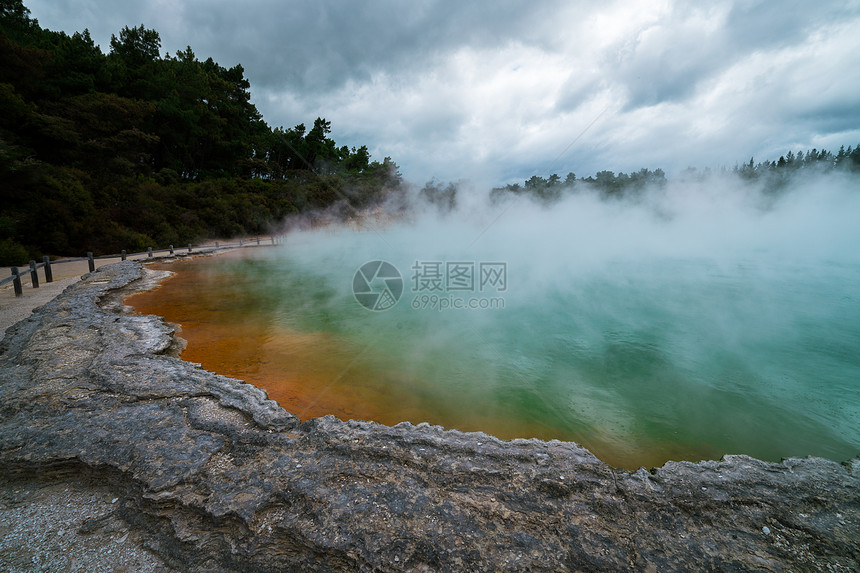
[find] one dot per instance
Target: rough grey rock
(216, 477)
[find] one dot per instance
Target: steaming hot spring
(699, 322)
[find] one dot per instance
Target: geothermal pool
(642, 332)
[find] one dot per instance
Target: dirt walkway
(16, 308)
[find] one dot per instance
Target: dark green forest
(130, 149)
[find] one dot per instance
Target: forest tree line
(102, 152)
(773, 175)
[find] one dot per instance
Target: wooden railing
(18, 277)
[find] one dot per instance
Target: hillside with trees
(102, 152)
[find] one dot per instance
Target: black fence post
(123, 255)
(49, 275)
(91, 262)
(34, 275)
(149, 252)
(16, 282)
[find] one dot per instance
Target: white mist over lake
(701, 319)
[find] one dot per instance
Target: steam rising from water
(701, 319)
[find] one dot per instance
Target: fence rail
(19, 275)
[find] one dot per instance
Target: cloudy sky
(496, 92)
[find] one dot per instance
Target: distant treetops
(773, 175)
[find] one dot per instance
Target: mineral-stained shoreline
(213, 476)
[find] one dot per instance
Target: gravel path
(57, 525)
(15, 308)
(69, 525)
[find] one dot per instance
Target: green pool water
(642, 354)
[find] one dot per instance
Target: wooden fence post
(123, 255)
(34, 276)
(91, 262)
(49, 275)
(16, 282)
(149, 251)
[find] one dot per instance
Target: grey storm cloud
(667, 60)
(319, 44)
(496, 91)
